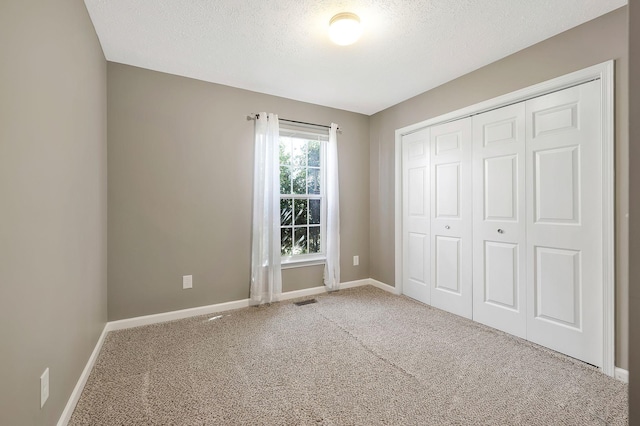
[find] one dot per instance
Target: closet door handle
(500, 231)
(447, 227)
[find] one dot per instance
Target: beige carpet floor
(357, 357)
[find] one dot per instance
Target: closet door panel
(447, 200)
(564, 222)
(416, 216)
(451, 245)
(499, 228)
(500, 188)
(501, 275)
(447, 261)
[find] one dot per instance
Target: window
(302, 195)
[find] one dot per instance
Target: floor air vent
(306, 302)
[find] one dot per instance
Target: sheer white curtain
(266, 273)
(332, 266)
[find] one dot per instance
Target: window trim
(302, 260)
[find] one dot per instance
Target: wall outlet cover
(44, 387)
(187, 281)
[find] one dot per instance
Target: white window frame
(308, 133)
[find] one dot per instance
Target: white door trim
(605, 73)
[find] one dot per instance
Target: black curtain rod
(302, 122)
(254, 116)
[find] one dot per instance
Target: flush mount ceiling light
(344, 28)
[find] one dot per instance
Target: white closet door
(499, 224)
(451, 241)
(564, 221)
(416, 216)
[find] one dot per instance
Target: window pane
(285, 151)
(314, 212)
(300, 174)
(300, 240)
(286, 213)
(299, 157)
(314, 239)
(313, 181)
(286, 241)
(299, 180)
(314, 154)
(300, 212)
(285, 180)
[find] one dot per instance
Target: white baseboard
(219, 307)
(352, 284)
(176, 315)
(77, 391)
(622, 375)
(383, 286)
(313, 291)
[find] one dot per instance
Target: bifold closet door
(499, 219)
(451, 220)
(416, 216)
(564, 221)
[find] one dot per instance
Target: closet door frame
(603, 72)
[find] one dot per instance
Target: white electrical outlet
(187, 281)
(44, 387)
(356, 260)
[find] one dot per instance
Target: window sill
(302, 262)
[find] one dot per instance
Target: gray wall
(634, 204)
(596, 41)
(53, 194)
(180, 158)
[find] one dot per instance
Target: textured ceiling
(281, 47)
